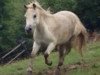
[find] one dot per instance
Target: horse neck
(43, 16)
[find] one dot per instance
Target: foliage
(13, 23)
(58, 5)
(89, 12)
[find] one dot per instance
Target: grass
(91, 56)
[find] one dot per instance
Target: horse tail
(80, 39)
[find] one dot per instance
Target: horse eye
(34, 16)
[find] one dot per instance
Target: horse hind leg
(63, 51)
(61, 56)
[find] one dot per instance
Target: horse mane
(49, 10)
(39, 7)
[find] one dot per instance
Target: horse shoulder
(45, 36)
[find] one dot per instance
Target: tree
(58, 5)
(12, 15)
(89, 12)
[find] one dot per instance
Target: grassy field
(91, 57)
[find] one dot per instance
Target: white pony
(57, 30)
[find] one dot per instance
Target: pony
(59, 30)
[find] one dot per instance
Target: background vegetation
(12, 20)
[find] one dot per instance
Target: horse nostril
(30, 29)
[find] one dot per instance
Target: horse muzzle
(28, 30)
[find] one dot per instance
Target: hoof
(29, 71)
(49, 63)
(46, 60)
(57, 72)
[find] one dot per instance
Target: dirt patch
(63, 70)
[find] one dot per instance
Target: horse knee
(60, 64)
(33, 54)
(36, 47)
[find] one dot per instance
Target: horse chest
(44, 37)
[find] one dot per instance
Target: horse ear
(25, 6)
(34, 5)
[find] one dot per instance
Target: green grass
(91, 56)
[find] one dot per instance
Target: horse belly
(64, 38)
(64, 34)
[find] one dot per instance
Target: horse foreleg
(50, 47)
(36, 47)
